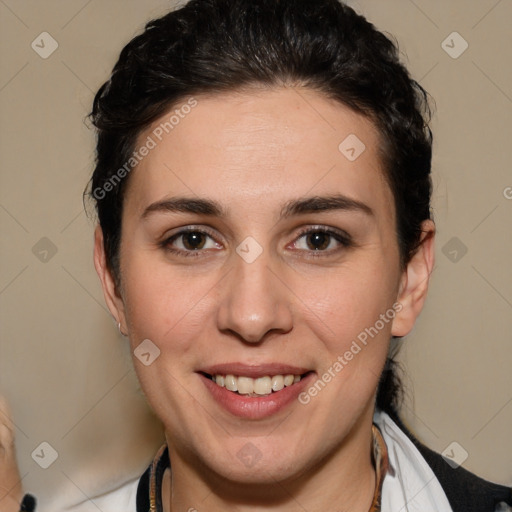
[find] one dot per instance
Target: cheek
(351, 316)
(163, 304)
(169, 308)
(349, 301)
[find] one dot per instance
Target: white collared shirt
(410, 485)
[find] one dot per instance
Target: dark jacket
(465, 491)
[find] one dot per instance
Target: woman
(263, 193)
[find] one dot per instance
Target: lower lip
(256, 408)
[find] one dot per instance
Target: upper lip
(255, 370)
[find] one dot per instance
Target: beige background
(63, 365)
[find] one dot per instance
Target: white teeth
(231, 383)
(245, 385)
(277, 382)
(288, 380)
(263, 386)
(255, 387)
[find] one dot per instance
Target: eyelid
(191, 227)
(335, 232)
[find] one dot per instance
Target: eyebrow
(324, 203)
(294, 207)
(186, 205)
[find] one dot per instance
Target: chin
(257, 462)
(264, 473)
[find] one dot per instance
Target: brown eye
(318, 241)
(193, 240)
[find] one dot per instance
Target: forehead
(258, 148)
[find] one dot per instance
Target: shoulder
(465, 491)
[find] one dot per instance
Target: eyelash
(342, 238)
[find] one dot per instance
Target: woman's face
(258, 241)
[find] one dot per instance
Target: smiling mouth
(261, 386)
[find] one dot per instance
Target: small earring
(121, 332)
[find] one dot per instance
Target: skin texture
(252, 152)
(10, 481)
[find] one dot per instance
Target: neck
(327, 485)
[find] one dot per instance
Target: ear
(111, 293)
(414, 283)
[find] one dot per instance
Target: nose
(254, 301)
